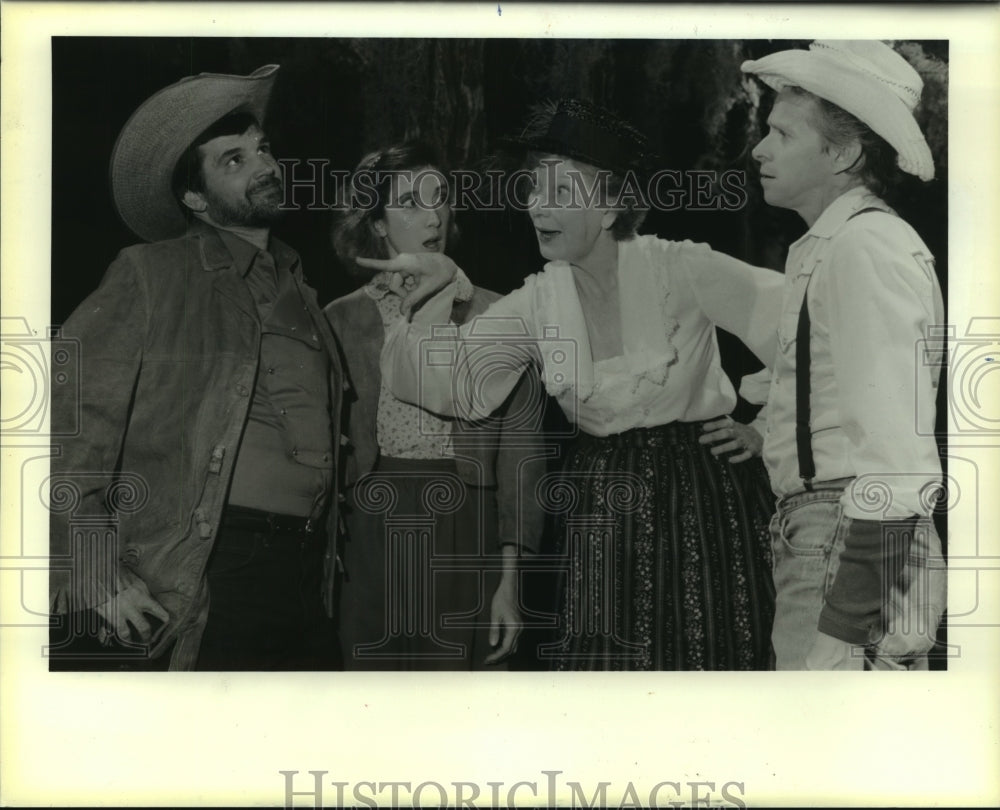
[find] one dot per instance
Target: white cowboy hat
(866, 78)
(159, 132)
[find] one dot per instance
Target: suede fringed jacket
(144, 447)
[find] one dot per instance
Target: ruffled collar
(378, 287)
(647, 323)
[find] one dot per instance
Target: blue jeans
(807, 537)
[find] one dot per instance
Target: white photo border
(190, 739)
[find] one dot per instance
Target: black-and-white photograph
(372, 357)
(310, 479)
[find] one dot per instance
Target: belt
(669, 433)
(834, 485)
(255, 520)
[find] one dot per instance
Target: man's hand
(913, 613)
(128, 610)
(829, 653)
(430, 272)
(728, 436)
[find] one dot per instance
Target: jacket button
(284, 411)
(271, 370)
(295, 452)
(242, 390)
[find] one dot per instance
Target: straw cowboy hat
(866, 78)
(159, 132)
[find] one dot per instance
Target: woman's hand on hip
(729, 436)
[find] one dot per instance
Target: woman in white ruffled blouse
(668, 560)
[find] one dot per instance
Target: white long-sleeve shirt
(669, 371)
(873, 298)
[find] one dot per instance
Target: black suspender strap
(803, 430)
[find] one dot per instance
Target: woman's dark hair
(368, 194)
(876, 165)
(632, 205)
(187, 174)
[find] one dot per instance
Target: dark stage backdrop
(336, 99)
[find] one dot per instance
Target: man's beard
(258, 209)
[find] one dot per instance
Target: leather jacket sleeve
(109, 330)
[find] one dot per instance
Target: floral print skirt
(668, 555)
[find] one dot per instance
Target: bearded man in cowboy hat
(850, 452)
(195, 512)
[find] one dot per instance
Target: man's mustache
(266, 184)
